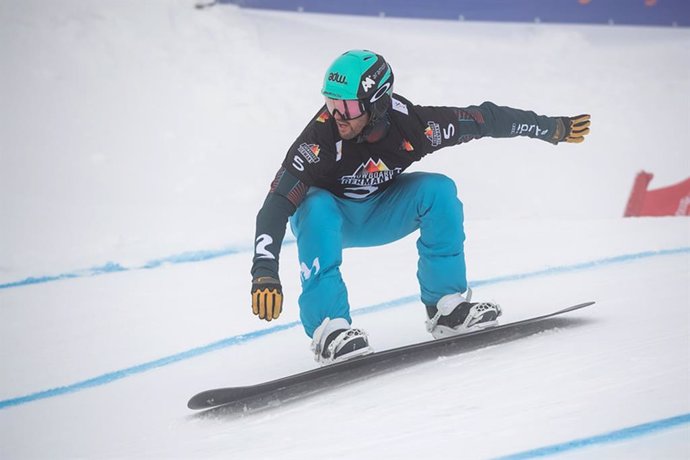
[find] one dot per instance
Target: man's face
(349, 129)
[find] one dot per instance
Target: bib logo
(367, 178)
(370, 173)
(336, 77)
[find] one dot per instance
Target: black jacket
(356, 169)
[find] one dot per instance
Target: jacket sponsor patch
(433, 133)
(310, 152)
(399, 106)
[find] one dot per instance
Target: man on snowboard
(342, 184)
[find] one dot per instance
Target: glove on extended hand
(571, 129)
(267, 297)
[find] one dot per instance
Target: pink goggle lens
(347, 108)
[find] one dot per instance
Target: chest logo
(367, 179)
(370, 173)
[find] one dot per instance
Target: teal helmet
(361, 75)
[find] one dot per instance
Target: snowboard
(292, 387)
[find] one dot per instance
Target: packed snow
(138, 141)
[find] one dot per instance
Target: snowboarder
(342, 184)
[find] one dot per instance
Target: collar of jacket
(375, 130)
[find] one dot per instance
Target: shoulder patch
(399, 106)
(433, 133)
(310, 152)
(406, 145)
(323, 116)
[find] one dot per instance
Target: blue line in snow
(117, 375)
(606, 438)
(114, 267)
(235, 340)
(585, 265)
(202, 256)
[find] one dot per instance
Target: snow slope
(137, 142)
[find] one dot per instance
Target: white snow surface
(133, 131)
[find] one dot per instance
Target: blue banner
(672, 13)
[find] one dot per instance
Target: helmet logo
(336, 77)
(380, 92)
(368, 83)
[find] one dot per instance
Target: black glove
(267, 297)
(571, 129)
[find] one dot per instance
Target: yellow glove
(267, 297)
(571, 129)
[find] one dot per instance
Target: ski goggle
(349, 109)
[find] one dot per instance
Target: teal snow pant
(325, 224)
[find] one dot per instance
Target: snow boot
(454, 314)
(335, 341)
